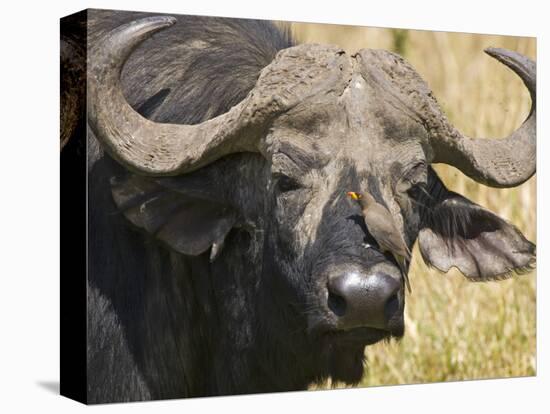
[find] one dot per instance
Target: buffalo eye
(285, 183)
(414, 181)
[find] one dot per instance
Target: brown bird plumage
(381, 226)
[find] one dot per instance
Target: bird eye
(286, 183)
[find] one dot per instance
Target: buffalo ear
(457, 232)
(186, 220)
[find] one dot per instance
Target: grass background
(457, 329)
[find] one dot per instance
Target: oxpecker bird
(381, 226)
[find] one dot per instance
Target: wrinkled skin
(246, 246)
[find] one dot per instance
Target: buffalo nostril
(359, 299)
(337, 304)
(391, 307)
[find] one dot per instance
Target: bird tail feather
(403, 266)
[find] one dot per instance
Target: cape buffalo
(224, 256)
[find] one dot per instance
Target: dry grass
(456, 329)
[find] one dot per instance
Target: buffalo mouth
(345, 351)
(335, 334)
(364, 336)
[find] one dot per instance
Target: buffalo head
(277, 166)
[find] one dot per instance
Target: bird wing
(387, 235)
